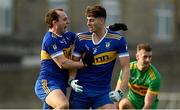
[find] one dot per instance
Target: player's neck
(98, 35)
(141, 67)
(56, 32)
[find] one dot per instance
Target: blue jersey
(51, 77)
(98, 77)
(52, 46)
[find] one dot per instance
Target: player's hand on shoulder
(74, 85)
(115, 96)
(118, 27)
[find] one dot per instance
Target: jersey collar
(100, 39)
(54, 34)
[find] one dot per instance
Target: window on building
(6, 17)
(113, 10)
(164, 23)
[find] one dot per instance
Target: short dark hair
(52, 15)
(96, 11)
(144, 46)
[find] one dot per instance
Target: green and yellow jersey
(142, 82)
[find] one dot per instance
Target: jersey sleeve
(155, 85)
(79, 47)
(122, 48)
(53, 47)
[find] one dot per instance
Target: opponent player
(104, 46)
(144, 82)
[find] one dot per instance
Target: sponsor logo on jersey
(106, 57)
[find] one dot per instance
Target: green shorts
(138, 105)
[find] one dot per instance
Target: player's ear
(102, 20)
(54, 22)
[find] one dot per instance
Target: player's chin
(65, 29)
(90, 29)
(146, 65)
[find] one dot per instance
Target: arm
(122, 84)
(124, 58)
(124, 63)
(72, 81)
(118, 85)
(152, 93)
(116, 89)
(148, 100)
(65, 63)
(153, 90)
(72, 73)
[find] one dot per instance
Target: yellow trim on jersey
(153, 92)
(45, 55)
(105, 57)
(133, 66)
(141, 90)
(152, 74)
(85, 37)
(113, 36)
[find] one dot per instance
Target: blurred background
(22, 29)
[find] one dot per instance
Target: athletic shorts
(84, 101)
(44, 86)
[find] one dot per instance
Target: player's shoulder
(153, 73)
(69, 33)
(133, 65)
(154, 69)
(85, 35)
(113, 35)
(47, 36)
(50, 38)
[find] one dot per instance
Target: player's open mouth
(90, 28)
(65, 27)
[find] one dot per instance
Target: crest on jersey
(54, 46)
(108, 44)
